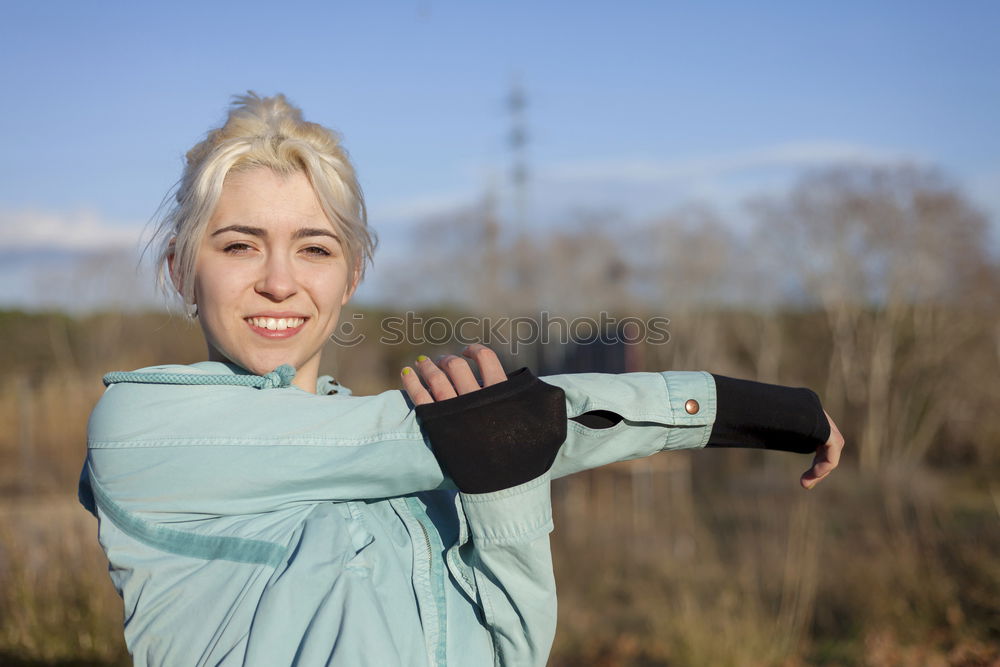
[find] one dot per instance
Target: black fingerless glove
(767, 416)
(499, 436)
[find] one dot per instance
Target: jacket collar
(326, 385)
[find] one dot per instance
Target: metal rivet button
(691, 406)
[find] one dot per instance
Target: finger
(490, 368)
(823, 464)
(435, 379)
(414, 389)
(835, 442)
(809, 478)
(827, 457)
(458, 371)
(820, 468)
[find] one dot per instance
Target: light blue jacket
(265, 525)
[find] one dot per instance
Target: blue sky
(637, 107)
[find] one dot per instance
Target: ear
(174, 277)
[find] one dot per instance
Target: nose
(277, 279)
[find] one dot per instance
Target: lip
(277, 314)
(276, 333)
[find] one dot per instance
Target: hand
(826, 459)
(451, 375)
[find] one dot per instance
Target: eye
(237, 248)
(317, 251)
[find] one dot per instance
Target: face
(271, 275)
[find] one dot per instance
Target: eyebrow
(242, 229)
(304, 232)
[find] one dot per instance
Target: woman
(254, 512)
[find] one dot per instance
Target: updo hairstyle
(261, 132)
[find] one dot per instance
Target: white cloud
(422, 206)
(78, 231)
(643, 186)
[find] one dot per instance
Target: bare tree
(895, 257)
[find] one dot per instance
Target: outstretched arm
(188, 449)
(201, 450)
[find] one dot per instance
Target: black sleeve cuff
(767, 416)
(499, 436)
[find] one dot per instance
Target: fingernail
(407, 370)
(422, 357)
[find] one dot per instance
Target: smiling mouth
(275, 325)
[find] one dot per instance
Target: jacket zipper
(427, 580)
(427, 540)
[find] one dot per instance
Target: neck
(305, 380)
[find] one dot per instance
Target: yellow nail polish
(422, 357)
(407, 370)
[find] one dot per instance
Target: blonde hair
(261, 132)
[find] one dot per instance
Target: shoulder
(130, 395)
(156, 374)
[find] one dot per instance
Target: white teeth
(276, 324)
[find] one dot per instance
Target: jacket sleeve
(653, 412)
(183, 450)
(504, 562)
(767, 416)
(231, 450)
(752, 415)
